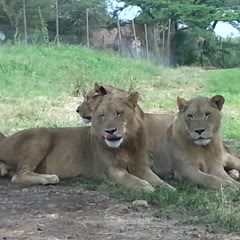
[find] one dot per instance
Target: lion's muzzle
(112, 138)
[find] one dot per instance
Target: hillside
(42, 86)
(36, 83)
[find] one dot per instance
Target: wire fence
(135, 40)
(149, 41)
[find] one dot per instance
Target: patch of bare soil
(65, 212)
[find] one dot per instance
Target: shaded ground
(65, 212)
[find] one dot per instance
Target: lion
(113, 146)
(2, 136)
(155, 124)
(156, 128)
(5, 170)
(194, 146)
(93, 97)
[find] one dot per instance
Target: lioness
(114, 146)
(194, 145)
(156, 126)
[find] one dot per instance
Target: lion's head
(92, 98)
(200, 118)
(115, 119)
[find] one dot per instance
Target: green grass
(39, 87)
(219, 211)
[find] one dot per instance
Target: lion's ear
(83, 92)
(100, 90)
(133, 98)
(218, 101)
(182, 103)
(96, 86)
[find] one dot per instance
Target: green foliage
(41, 16)
(192, 20)
(198, 13)
(231, 53)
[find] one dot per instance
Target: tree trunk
(173, 50)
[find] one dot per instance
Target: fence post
(57, 24)
(163, 42)
(222, 53)
(88, 44)
(169, 44)
(135, 36)
(146, 40)
(119, 37)
(25, 23)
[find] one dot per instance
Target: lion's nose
(111, 131)
(77, 110)
(199, 130)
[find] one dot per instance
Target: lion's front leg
(193, 174)
(6, 170)
(233, 163)
(147, 174)
(32, 178)
(122, 177)
(218, 170)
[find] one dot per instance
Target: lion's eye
(101, 116)
(119, 114)
(190, 116)
(207, 115)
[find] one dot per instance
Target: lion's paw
(234, 174)
(51, 179)
(169, 187)
(146, 186)
(231, 184)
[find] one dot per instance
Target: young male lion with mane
(114, 146)
(157, 126)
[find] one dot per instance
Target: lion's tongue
(112, 137)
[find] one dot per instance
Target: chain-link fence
(53, 22)
(36, 24)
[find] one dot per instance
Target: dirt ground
(65, 212)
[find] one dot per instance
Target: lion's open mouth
(202, 141)
(86, 119)
(113, 141)
(113, 138)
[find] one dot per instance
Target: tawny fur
(43, 155)
(156, 126)
(201, 164)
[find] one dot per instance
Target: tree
(72, 15)
(42, 13)
(187, 14)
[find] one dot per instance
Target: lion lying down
(194, 144)
(4, 169)
(114, 146)
(155, 124)
(199, 160)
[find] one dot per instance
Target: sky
(222, 29)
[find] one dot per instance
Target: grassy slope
(37, 88)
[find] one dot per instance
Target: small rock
(140, 204)
(25, 190)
